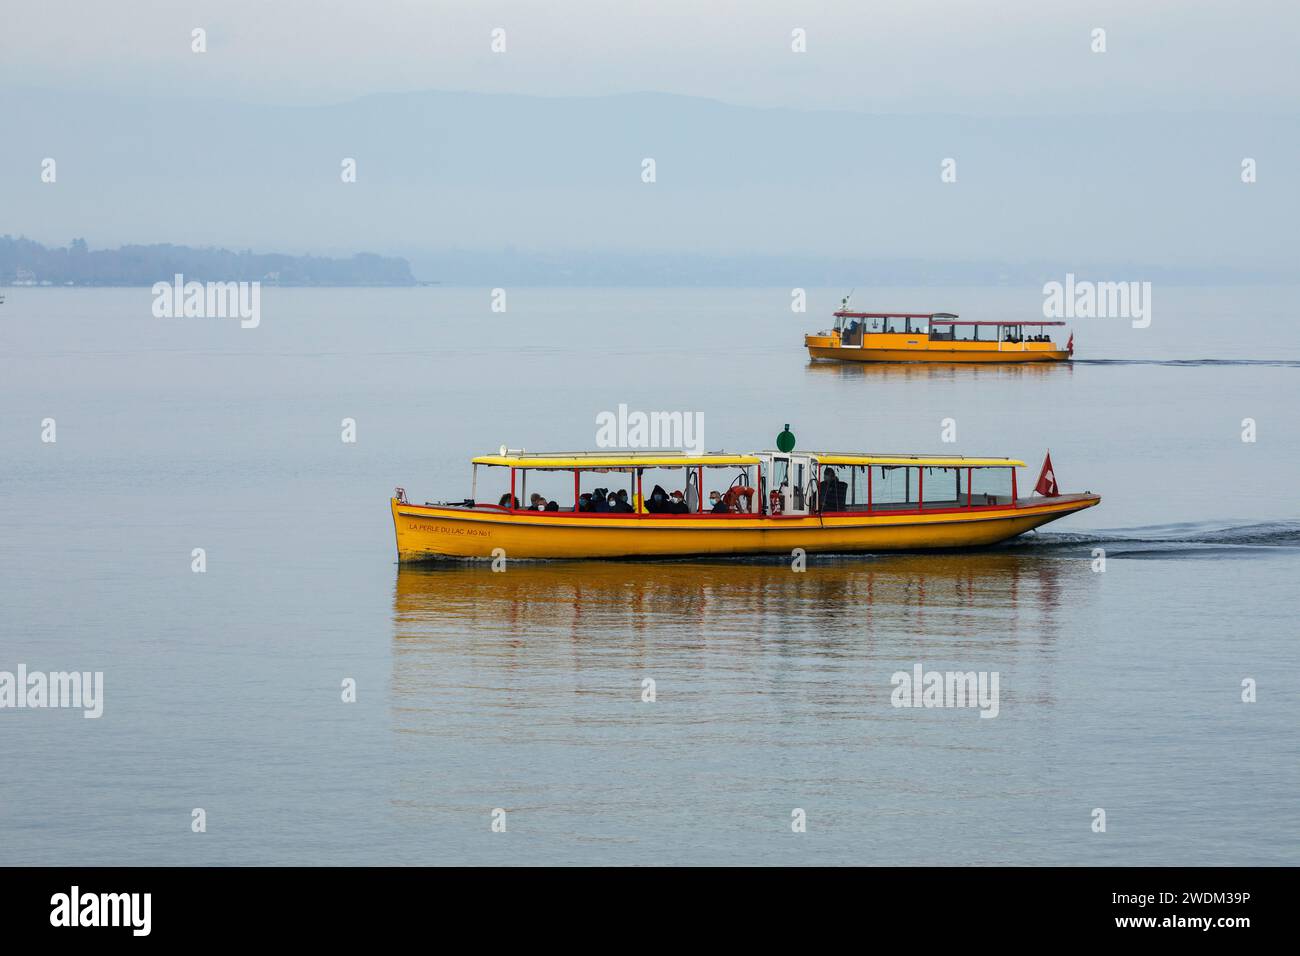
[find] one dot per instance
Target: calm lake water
(523, 691)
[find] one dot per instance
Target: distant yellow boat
(774, 502)
(933, 337)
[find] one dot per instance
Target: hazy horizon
(499, 177)
(970, 144)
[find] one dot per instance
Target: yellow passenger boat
(934, 337)
(769, 502)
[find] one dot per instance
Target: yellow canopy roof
(592, 459)
(925, 461)
(669, 459)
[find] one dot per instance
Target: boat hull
(430, 532)
(933, 354)
(904, 347)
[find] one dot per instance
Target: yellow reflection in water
(939, 371)
(945, 596)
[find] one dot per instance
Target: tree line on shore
(26, 262)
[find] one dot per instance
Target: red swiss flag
(1047, 479)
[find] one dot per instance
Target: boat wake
(1193, 363)
(1187, 540)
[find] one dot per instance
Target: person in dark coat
(832, 492)
(658, 503)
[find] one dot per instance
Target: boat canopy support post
(473, 484)
(512, 490)
(577, 483)
(1013, 487)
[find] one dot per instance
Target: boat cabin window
(943, 487)
(691, 490)
(799, 484)
(491, 486)
(990, 486)
(851, 333)
(780, 472)
(595, 488)
(859, 488)
(842, 488)
(894, 487)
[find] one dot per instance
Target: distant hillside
(498, 189)
(25, 262)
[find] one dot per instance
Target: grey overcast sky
(1002, 56)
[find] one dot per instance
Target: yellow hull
(429, 532)
(918, 348)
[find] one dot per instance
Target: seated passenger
(551, 506)
(717, 505)
(677, 504)
(658, 503)
(832, 491)
(584, 501)
(620, 503)
(599, 503)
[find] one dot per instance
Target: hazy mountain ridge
(494, 188)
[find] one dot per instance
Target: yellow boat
(933, 337)
(770, 502)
